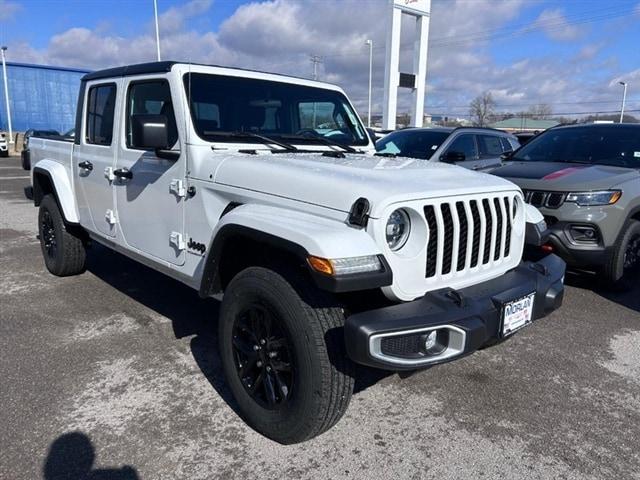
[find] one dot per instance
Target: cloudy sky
(569, 54)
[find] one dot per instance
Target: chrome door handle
(86, 165)
(123, 173)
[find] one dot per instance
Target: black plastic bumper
(476, 311)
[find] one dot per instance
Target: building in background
(41, 97)
(523, 124)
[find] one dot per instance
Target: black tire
(64, 254)
(5, 153)
(622, 271)
(320, 380)
(25, 159)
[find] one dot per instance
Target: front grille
(540, 198)
(472, 232)
(401, 346)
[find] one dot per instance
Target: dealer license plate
(517, 314)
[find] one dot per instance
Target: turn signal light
(321, 265)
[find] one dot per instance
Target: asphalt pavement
(114, 374)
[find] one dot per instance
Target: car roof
(455, 129)
(596, 125)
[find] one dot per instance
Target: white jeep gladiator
(267, 189)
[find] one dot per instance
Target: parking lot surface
(116, 372)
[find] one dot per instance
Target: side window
(464, 144)
(151, 98)
(490, 146)
(101, 102)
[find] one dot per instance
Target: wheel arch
(254, 235)
(51, 177)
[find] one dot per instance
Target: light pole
(624, 98)
(370, 43)
(155, 14)
(6, 93)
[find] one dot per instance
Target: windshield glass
(606, 145)
(412, 143)
(224, 104)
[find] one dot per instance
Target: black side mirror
(506, 155)
(452, 157)
(149, 132)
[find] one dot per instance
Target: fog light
(435, 342)
(584, 233)
(430, 341)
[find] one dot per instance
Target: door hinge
(177, 186)
(110, 217)
(176, 239)
(108, 174)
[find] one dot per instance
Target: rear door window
(101, 102)
(465, 144)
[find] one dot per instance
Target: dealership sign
(416, 7)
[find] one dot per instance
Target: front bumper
(580, 255)
(472, 317)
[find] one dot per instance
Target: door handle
(86, 165)
(123, 173)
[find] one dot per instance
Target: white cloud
(554, 24)
(8, 10)
(279, 35)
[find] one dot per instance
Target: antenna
(316, 59)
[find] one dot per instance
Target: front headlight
(397, 230)
(591, 199)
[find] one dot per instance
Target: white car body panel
(304, 198)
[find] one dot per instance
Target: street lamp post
(370, 43)
(624, 98)
(155, 14)
(6, 93)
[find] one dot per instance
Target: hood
(566, 177)
(337, 183)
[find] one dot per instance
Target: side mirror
(452, 157)
(506, 155)
(149, 132)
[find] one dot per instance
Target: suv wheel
(623, 270)
(283, 355)
(64, 254)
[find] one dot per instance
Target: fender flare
(300, 235)
(62, 188)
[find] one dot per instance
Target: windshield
(606, 145)
(224, 104)
(411, 143)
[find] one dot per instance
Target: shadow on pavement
(190, 315)
(590, 281)
(71, 456)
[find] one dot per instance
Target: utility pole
(6, 93)
(315, 59)
(370, 43)
(624, 99)
(155, 14)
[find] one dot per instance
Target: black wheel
(622, 272)
(25, 159)
(64, 254)
(283, 355)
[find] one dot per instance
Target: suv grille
(468, 233)
(539, 198)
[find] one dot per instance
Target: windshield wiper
(263, 138)
(325, 141)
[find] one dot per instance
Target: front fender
(298, 233)
(60, 181)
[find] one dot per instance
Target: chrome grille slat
(467, 235)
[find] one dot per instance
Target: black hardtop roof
(595, 125)
(164, 67)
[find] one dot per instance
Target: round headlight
(398, 228)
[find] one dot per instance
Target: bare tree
(541, 111)
(482, 109)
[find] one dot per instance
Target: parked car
(4, 145)
(277, 201)
(524, 137)
(25, 155)
(586, 181)
(473, 148)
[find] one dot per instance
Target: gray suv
(469, 147)
(585, 179)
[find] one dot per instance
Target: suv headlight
(397, 230)
(591, 199)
